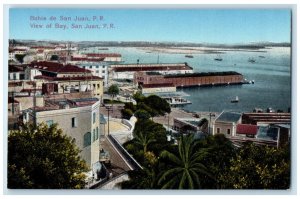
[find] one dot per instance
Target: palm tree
(143, 140)
(185, 167)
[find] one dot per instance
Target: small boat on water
(103, 49)
(189, 56)
(218, 58)
(236, 100)
(261, 56)
(251, 60)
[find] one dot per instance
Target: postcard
(149, 98)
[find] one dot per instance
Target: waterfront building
(78, 118)
(190, 79)
(127, 71)
(107, 57)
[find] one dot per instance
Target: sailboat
(236, 100)
(218, 58)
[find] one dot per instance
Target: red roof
(247, 129)
(81, 78)
(158, 85)
(10, 100)
(103, 55)
(57, 67)
(16, 68)
(86, 59)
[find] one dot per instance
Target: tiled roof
(228, 117)
(81, 78)
(86, 59)
(15, 68)
(57, 67)
(247, 129)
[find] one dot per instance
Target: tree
(259, 167)
(54, 57)
(20, 57)
(142, 139)
(43, 157)
(126, 113)
(142, 115)
(185, 166)
(113, 90)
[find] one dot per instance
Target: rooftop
(228, 117)
(55, 67)
(81, 78)
(66, 104)
(103, 55)
(150, 67)
(225, 73)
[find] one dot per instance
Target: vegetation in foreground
(43, 157)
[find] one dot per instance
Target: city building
(189, 79)
(127, 71)
(99, 69)
(16, 72)
(78, 118)
(67, 78)
(226, 123)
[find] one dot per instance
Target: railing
(132, 163)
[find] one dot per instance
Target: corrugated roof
(228, 117)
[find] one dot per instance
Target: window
(49, 122)
(14, 76)
(97, 133)
(97, 66)
(83, 67)
(103, 71)
(94, 135)
(94, 118)
(91, 66)
(103, 66)
(74, 122)
(87, 139)
(228, 131)
(97, 71)
(218, 130)
(98, 86)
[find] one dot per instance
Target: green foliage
(184, 166)
(219, 151)
(54, 57)
(113, 90)
(126, 113)
(158, 104)
(259, 167)
(142, 115)
(43, 157)
(20, 57)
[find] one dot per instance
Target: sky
(222, 26)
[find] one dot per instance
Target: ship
(218, 58)
(189, 56)
(236, 100)
(251, 60)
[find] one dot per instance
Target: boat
(103, 49)
(251, 60)
(218, 58)
(189, 56)
(261, 56)
(236, 100)
(177, 101)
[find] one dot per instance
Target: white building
(99, 69)
(78, 118)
